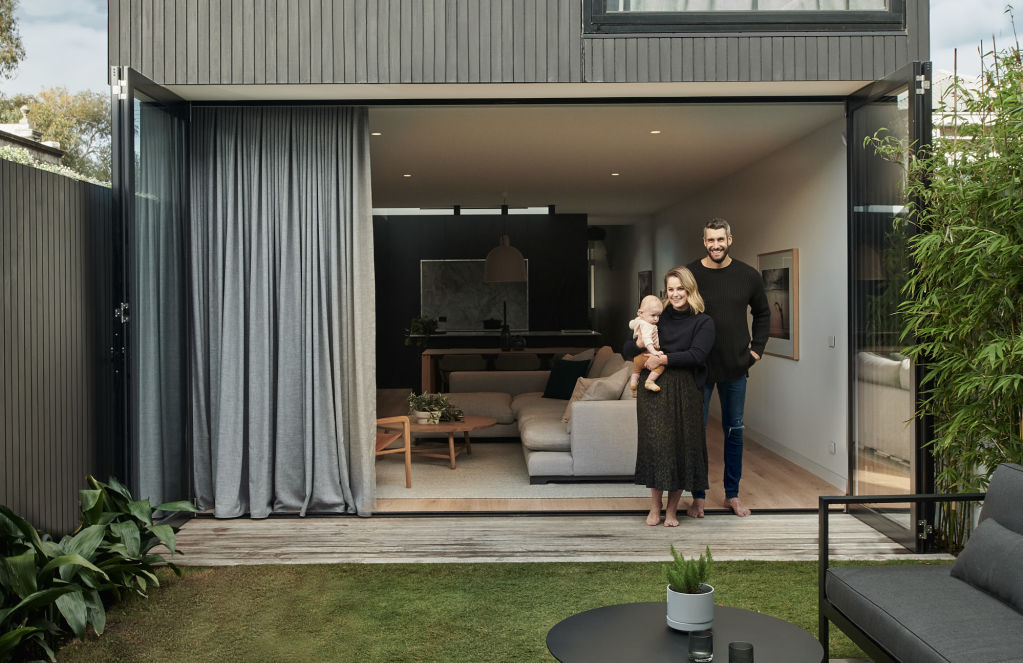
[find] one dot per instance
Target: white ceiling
(537, 155)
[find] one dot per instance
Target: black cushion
(993, 561)
(921, 614)
(562, 379)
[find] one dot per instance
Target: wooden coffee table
(471, 422)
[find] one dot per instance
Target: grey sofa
(970, 611)
(597, 442)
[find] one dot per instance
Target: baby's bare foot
(695, 509)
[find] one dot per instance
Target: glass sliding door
(150, 142)
(884, 438)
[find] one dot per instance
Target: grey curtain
(282, 364)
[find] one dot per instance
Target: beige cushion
(485, 404)
(598, 389)
(585, 354)
(599, 359)
(613, 365)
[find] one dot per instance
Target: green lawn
(410, 612)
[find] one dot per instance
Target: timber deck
(525, 538)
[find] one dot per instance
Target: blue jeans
(732, 395)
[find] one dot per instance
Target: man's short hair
(717, 223)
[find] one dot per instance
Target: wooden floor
(566, 538)
(769, 481)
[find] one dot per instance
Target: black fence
(56, 312)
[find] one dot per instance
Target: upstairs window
(788, 16)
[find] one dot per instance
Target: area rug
(495, 469)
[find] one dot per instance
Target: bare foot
(737, 507)
(695, 509)
(653, 518)
(670, 519)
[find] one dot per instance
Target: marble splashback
(455, 290)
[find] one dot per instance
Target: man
(729, 287)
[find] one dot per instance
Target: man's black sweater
(728, 292)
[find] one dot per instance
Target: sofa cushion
(905, 374)
(1004, 495)
(585, 355)
(993, 562)
(613, 365)
(921, 613)
(561, 381)
(598, 389)
(599, 359)
(871, 367)
(485, 404)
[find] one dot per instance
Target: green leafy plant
(427, 402)
(963, 301)
(50, 589)
(419, 332)
(688, 576)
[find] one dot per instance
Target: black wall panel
(55, 317)
(558, 278)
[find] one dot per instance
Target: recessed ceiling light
(406, 174)
(655, 131)
(375, 133)
(615, 174)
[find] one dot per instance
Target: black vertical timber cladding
(54, 337)
(555, 247)
(468, 41)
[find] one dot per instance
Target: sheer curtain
(283, 384)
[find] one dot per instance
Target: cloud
(65, 45)
(63, 54)
(962, 26)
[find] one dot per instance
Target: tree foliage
(11, 49)
(963, 303)
(79, 121)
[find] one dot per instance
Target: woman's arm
(630, 349)
(699, 350)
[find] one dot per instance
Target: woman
(672, 449)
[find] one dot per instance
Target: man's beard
(718, 260)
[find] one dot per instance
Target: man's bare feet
(737, 507)
(653, 518)
(695, 509)
(670, 519)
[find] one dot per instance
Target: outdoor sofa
(968, 611)
(591, 436)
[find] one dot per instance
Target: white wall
(793, 198)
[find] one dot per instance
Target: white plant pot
(691, 612)
(431, 417)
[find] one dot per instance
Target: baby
(644, 330)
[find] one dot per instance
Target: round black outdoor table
(638, 632)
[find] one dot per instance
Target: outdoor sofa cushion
(992, 561)
(923, 614)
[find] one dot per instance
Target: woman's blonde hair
(694, 299)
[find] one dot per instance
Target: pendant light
(505, 263)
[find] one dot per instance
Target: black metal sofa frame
(1002, 497)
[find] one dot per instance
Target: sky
(65, 40)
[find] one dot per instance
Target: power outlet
(832, 449)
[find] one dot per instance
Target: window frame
(598, 21)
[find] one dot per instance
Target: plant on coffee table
(438, 403)
(690, 598)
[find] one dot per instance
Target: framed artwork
(780, 270)
(646, 283)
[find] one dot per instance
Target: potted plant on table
(690, 598)
(432, 408)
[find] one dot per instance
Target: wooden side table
(469, 423)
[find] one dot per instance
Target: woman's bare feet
(695, 509)
(670, 519)
(737, 507)
(653, 518)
